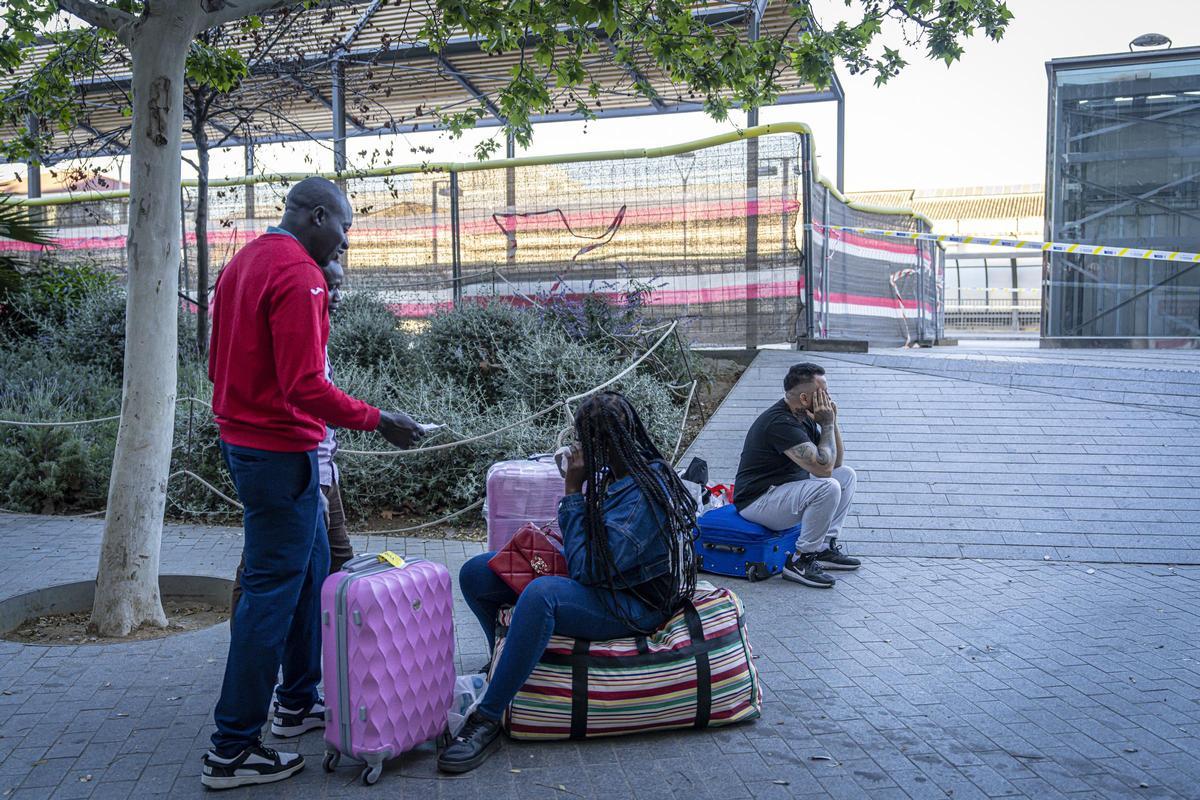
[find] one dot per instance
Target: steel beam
(362, 23)
(339, 116)
(469, 87)
(320, 97)
(638, 78)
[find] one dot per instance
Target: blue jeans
(548, 605)
(277, 621)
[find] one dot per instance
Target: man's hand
(575, 474)
(823, 409)
(323, 502)
(399, 429)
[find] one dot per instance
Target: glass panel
(1125, 171)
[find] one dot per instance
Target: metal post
(33, 175)
(806, 301)
(456, 240)
(186, 282)
(752, 210)
(922, 283)
(250, 169)
(755, 22)
(339, 115)
(787, 166)
(33, 171)
(752, 243)
(841, 141)
(434, 208)
(826, 258)
(1016, 297)
(510, 202)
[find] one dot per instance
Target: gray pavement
(917, 678)
(994, 453)
(1018, 629)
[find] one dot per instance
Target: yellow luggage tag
(389, 557)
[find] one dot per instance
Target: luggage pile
(697, 671)
(388, 643)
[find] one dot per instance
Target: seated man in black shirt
(791, 472)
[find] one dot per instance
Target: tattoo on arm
(816, 458)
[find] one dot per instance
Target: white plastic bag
(468, 691)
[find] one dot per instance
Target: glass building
(1123, 169)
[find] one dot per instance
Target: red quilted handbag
(531, 553)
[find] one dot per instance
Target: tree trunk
(200, 137)
(127, 593)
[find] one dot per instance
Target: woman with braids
(627, 523)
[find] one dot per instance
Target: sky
(979, 122)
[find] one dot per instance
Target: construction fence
(726, 234)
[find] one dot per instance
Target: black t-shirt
(763, 463)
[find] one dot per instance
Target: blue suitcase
(727, 544)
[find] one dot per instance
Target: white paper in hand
(430, 427)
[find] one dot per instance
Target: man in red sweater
(272, 401)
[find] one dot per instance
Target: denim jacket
(631, 523)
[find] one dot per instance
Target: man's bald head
(317, 213)
(315, 192)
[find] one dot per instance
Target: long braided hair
(613, 439)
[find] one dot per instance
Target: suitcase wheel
(330, 762)
(370, 775)
(757, 572)
(444, 739)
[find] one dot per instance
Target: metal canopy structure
(358, 69)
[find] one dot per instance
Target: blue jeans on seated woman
(548, 605)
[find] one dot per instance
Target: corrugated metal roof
(393, 82)
(972, 202)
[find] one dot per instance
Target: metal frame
(1057, 268)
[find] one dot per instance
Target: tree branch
(98, 14)
(220, 12)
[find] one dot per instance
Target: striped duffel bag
(697, 671)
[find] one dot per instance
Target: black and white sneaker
(286, 722)
(254, 765)
(804, 569)
(474, 743)
(833, 557)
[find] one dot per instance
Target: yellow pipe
(527, 161)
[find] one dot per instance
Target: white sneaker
(254, 765)
(286, 723)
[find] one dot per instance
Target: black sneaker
(804, 569)
(472, 746)
(832, 557)
(254, 765)
(286, 722)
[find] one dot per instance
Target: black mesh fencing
(715, 236)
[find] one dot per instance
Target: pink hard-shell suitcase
(387, 645)
(525, 490)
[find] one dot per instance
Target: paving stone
(924, 674)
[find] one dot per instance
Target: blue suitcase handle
(725, 548)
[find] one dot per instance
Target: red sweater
(266, 360)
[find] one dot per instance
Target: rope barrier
(687, 406)
(477, 504)
(21, 423)
(565, 404)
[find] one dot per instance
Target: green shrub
(54, 469)
(477, 369)
(466, 343)
(94, 333)
(365, 333)
(47, 295)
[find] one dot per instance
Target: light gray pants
(819, 505)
